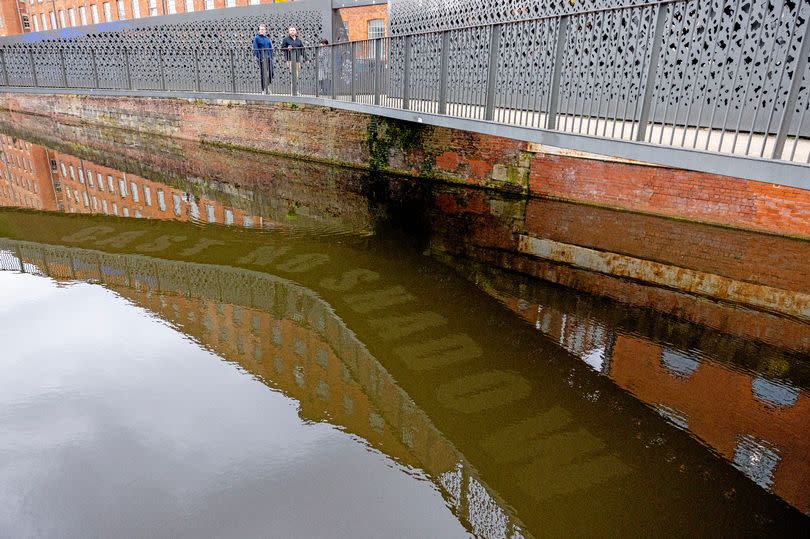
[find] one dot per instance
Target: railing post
(294, 65)
(652, 68)
(5, 70)
(559, 53)
(793, 95)
(162, 70)
(126, 69)
(196, 70)
(334, 71)
(492, 72)
(63, 67)
(354, 61)
(377, 69)
(33, 66)
(406, 75)
(233, 73)
(95, 67)
(443, 72)
(317, 72)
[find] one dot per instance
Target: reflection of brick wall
(355, 19)
(25, 179)
(346, 137)
(719, 406)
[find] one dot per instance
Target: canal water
(198, 342)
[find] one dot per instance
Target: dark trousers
(266, 72)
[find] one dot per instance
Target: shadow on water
(536, 409)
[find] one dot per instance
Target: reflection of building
(25, 179)
(290, 339)
(753, 421)
(90, 188)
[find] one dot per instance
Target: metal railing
(716, 77)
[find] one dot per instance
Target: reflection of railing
(474, 502)
(693, 74)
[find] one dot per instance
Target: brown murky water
(274, 348)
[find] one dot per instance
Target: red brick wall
(340, 136)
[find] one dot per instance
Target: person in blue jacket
(263, 52)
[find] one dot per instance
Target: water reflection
(518, 438)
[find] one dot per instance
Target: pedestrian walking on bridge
(263, 52)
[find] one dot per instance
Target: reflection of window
(100, 181)
(228, 217)
(756, 459)
(110, 185)
(678, 363)
(161, 200)
(147, 195)
(104, 206)
(122, 186)
(774, 393)
(177, 201)
(376, 28)
(209, 209)
(247, 221)
(115, 208)
(133, 187)
(673, 416)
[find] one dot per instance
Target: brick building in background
(357, 19)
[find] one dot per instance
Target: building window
(72, 16)
(36, 24)
(209, 4)
(136, 9)
(44, 21)
(107, 11)
(254, 2)
(121, 12)
(376, 28)
(62, 18)
(133, 187)
(52, 15)
(153, 8)
(189, 6)
(171, 7)
(230, 3)
(94, 13)
(83, 15)
(147, 195)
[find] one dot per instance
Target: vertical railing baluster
(294, 65)
(353, 61)
(377, 69)
(333, 71)
(406, 75)
(559, 54)
(652, 69)
(233, 71)
(196, 69)
(126, 69)
(63, 67)
(162, 70)
(317, 53)
(95, 67)
(5, 70)
(492, 71)
(793, 95)
(443, 67)
(33, 66)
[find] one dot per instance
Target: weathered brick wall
(358, 140)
